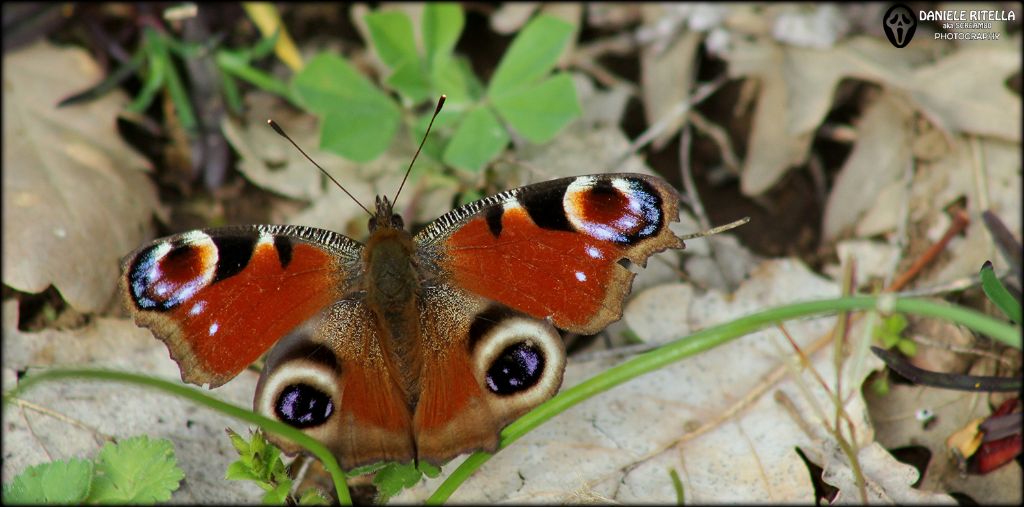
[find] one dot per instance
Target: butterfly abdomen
(391, 293)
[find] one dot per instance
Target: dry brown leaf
(895, 418)
(987, 172)
(75, 198)
(771, 149)
(887, 481)
(880, 157)
(666, 73)
(511, 17)
(797, 90)
(966, 91)
(809, 25)
(270, 161)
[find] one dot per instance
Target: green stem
(311, 444)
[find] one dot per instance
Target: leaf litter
(71, 185)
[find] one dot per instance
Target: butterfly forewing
(554, 249)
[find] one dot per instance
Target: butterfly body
(410, 347)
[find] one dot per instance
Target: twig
(677, 111)
(63, 418)
(960, 221)
(928, 342)
(719, 136)
(689, 188)
(32, 431)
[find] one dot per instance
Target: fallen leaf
(511, 17)
(966, 91)
(887, 481)
(666, 73)
(894, 418)
(875, 260)
(772, 148)
(271, 162)
(994, 165)
(880, 157)
(814, 26)
(75, 197)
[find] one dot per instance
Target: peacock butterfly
(407, 347)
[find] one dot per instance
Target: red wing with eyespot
(554, 249)
(219, 298)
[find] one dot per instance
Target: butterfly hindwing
(484, 365)
(331, 379)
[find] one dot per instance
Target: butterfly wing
(221, 297)
(554, 249)
(484, 365)
(508, 267)
(330, 378)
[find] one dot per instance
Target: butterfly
(405, 347)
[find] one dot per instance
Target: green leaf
(410, 80)
(314, 496)
(436, 142)
(907, 347)
(240, 471)
(137, 470)
(888, 331)
(367, 469)
(277, 495)
(391, 32)
(429, 470)
(477, 140)
(881, 386)
(234, 63)
(442, 25)
(896, 323)
(998, 294)
(539, 112)
(532, 54)
(360, 134)
(238, 441)
(450, 78)
(359, 120)
(265, 45)
(56, 482)
(677, 485)
(395, 477)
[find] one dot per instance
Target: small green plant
(998, 294)
(137, 470)
(359, 120)
(259, 461)
(154, 64)
(889, 333)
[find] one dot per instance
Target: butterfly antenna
(280, 132)
(716, 230)
(440, 102)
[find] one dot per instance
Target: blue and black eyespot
(303, 406)
(517, 368)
